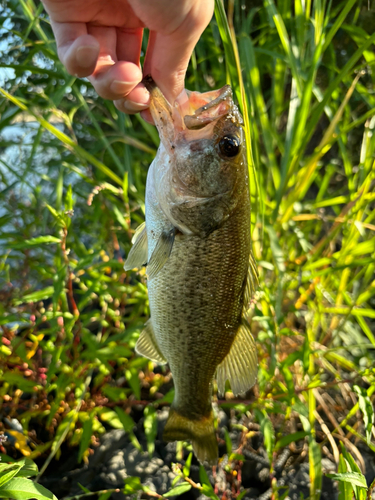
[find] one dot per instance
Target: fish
(201, 272)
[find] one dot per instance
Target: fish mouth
(208, 107)
(192, 111)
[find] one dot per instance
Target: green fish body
(201, 273)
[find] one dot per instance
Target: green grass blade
(67, 141)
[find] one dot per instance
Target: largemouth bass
(201, 272)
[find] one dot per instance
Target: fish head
(203, 158)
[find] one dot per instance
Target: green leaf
(151, 427)
(207, 488)
(113, 352)
(241, 495)
(228, 441)
(132, 484)
(350, 477)
(105, 496)
(128, 425)
(46, 293)
(29, 468)
(120, 218)
(209, 492)
(125, 419)
(276, 249)
(367, 410)
(230, 58)
(86, 436)
(267, 430)
(351, 466)
(7, 471)
(283, 34)
(110, 416)
(20, 488)
(178, 490)
(40, 240)
(290, 438)
(69, 202)
(315, 462)
(66, 140)
(18, 380)
(65, 426)
(83, 488)
(203, 477)
(186, 468)
(133, 379)
(345, 489)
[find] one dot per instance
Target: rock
(223, 420)
(115, 470)
(299, 483)
(168, 453)
(252, 494)
(110, 442)
(162, 417)
(151, 471)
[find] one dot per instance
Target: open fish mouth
(215, 105)
(192, 111)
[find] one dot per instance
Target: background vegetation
(72, 182)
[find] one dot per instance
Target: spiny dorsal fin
(147, 346)
(161, 253)
(251, 280)
(138, 253)
(240, 364)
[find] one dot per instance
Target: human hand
(101, 39)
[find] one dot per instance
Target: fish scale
(197, 246)
(195, 318)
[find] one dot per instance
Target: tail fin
(200, 432)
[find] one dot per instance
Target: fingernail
(134, 107)
(119, 87)
(86, 55)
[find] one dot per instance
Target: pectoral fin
(138, 253)
(161, 253)
(240, 365)
(147, 346)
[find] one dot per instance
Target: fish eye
(229, 146)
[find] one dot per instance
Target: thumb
(168, 55)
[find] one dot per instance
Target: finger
(112, 79)
(168, 54)
(129, 44)
(115, 81)
(137, 100)
(146, 115)
(77, 50)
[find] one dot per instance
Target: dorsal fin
(240, 365)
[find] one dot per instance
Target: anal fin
(161, 253)
(147, 346)
(138, 253)
(240, 365)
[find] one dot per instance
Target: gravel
(116, 459)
